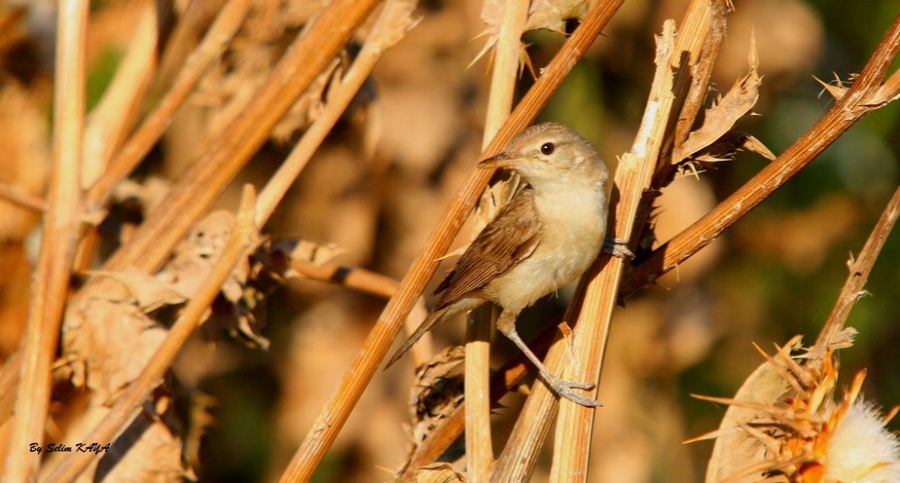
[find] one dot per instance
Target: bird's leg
(617, 247)
(506, 324)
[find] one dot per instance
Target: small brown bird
(546, 237)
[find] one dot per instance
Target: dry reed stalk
(21, 197)
(335, 413)
(241, 242)
(865, 95)
(61, 224)
(113, 118)
(479, 446)
(633, 176)
(859, 269)
(139, 144)
(354, 278)
(9, 380)
(232, 148)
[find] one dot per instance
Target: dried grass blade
(61, 223)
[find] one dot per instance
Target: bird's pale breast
(574, 227)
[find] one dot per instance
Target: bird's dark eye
(547, 148)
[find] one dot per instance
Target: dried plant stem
(575, 422)
(523, 447)
(140, 143)
(61, 223)
(393, 21)
(21, 197)
(479, 447)
(859, 273)
(335, 413)
(9, 381)
(864, 96)
(699, 37)
(115, 115)
(130, 403)
(230, 149)
(112, 119)
(351, 277)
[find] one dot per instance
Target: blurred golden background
(381, 181)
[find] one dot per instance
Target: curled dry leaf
(726, 111)
(437, 392)
(735, 449)
(149, 293)
(393, 23)
(195, 256)
(724, 148)
(277, 258)
(108, 338)
(150, 449)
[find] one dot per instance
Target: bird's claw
(617, 247)
(566, 389)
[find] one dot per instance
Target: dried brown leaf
(553, 14)
(148, 292)
(721, 117)
(724, 148)
(109, 338)
(438, 390)
(195, 256)
(276, 258)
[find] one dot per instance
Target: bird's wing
(508, 239)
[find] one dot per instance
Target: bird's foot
(566, 389)
(617, 247)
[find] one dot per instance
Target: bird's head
(551, 154)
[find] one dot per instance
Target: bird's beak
(502, 160)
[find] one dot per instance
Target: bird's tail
(430, 321)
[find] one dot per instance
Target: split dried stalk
(241, 242)
(865, 95)
(61, 224)
(232, 148)
(575, 422)
(335, 413)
